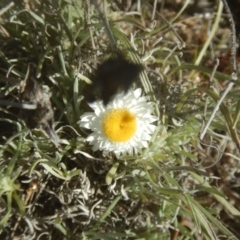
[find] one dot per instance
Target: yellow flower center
(119, 125)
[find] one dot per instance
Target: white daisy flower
(123, 127)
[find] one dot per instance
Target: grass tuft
(178, 187)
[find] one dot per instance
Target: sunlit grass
(77, 193)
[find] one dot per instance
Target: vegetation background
(182, 187)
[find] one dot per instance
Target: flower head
(124, 126)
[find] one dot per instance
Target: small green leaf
(111, 173)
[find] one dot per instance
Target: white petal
(138, 92)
